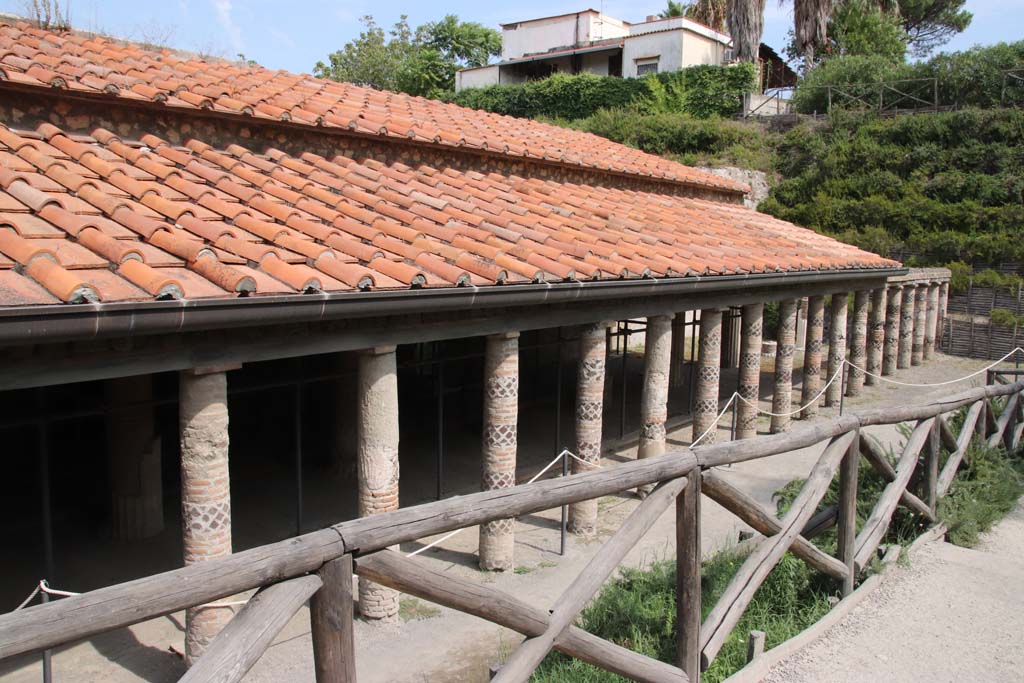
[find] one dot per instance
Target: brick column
(801, 323)
(501, 413)
(133, 454)
(751, 329)
(812, 356)
(943, 303)
(836, 348)
(920, 323)
(893, 307)
(705, 408)
(205, 492)
(654, 396)
(932, 325)
(858, 343)
(876, 335)
(906, 328)
(377, 458)
(589, 409)
(782, 394)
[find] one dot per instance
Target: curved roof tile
(104, 67)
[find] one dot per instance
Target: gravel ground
(953, 614)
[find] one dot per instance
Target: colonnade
(892, 327)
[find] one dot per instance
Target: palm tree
(810, 25)
(746, 24)
(674, 9)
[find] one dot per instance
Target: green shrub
(688, 139)
(637, 611)
(949, 186)
(700, 91)
(972, 78)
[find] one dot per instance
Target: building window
(646, 66)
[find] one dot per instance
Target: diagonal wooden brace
(524, 661)
(391, 569)
(715, 487)
(963, 442)
(878, 523)
(872, 452)
(740, 591)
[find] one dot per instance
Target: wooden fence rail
(319, 566)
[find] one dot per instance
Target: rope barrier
(560, 456)
(838, 373)
(937, 384)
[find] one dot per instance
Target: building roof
(83, 65)
(91, 217)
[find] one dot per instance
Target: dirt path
(955, 614)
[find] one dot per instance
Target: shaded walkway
(955, 614)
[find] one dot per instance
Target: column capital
(510, 334)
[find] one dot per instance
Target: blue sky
(294, 35)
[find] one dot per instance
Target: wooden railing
(319, 566)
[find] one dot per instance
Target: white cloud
(233, 31)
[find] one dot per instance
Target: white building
(592, 42)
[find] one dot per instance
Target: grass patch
(984, 491)
(411, 609)
(637, 609)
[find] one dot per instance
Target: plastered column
(893, 309)
(906, 327)
(133, 449)
(932, 324)
(876, 335)
(751, 329)
(501, 413)
(943, 304)
(858, 343)
(836, 348)
(812, 356)
(705, 404)
(377, 460)
(782, 395)
(205, 492)
(920, 324)
(654, 397)
(589, 409)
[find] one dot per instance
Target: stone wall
(757, 180)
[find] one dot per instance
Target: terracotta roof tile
(71, 61)
(104, 219)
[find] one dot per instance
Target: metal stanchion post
(565, 508)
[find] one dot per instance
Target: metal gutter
(55, 323)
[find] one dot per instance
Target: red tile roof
(87, 65)
(94, 218)
(97, 218)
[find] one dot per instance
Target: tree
(746, 24)
(673, 9)
(810, 26)
(858, 27)
(421, 62)
(931, 23)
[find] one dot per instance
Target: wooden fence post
(688, 655)
(847, 520)
(755, 645)
(330, 615)
(931, 468)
